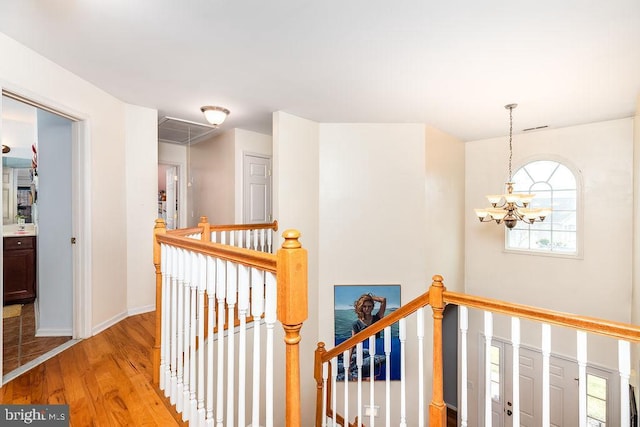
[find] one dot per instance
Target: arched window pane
(555, 187)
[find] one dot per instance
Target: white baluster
(243, 310)
(263, 240)
(232, 282)
(202, 287)
(211, 294)
(387, 364)
(186, 377)
(488, 335)
(372, 366)
(223, 237)
(463, 314)
(195, 276)
(346, 362)
(180, 389)
(581, 338)
(271, 293)
(174, 329)
(257, 308)
(420, 335)
(247, 239)
(255, 239)
(546, 388)
(325, 375)
(214, 236)
(334, 387)
(515, 343)
(270, 241)
(220, 293)
(403, 378)
(359, 366)
(624, 366)
(232, 237)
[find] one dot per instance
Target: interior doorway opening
(50, 145)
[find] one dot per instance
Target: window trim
(577, 173)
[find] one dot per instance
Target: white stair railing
(406, 395)
(206, 294)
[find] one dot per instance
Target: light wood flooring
(20, 345)
(106, 379)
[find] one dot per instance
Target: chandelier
(511, 207)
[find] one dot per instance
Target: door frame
(81, 205)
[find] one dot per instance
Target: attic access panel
(182, 132)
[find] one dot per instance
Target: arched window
(555, 186)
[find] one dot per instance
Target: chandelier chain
(510, 139)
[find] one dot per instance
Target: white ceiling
(452, 65)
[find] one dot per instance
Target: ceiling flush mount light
(215, 115)
(511, 207)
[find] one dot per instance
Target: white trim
(140, 310)
(52, 332)
(109, 323)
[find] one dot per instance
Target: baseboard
(140, 310)
(108, 323)
(51, 332)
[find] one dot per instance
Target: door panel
(257, 189)
(563, 389)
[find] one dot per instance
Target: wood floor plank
(106, 380)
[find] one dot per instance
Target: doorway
(256, 178)
(50, 142)
(169, 195)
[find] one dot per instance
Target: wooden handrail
(386, 321)
(230, 227)
(618, 330)
(262, 260)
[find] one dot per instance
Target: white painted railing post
(515, 343)
(463, 314)
(624, 366)
(488, 335)
(581, 344)
(387, 363)
(402, 330)
(546, 384)
(420, 335)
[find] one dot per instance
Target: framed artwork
(355, 308)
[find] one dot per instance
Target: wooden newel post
(160, 228)
(292, 312)
(206, 229)
(437, 408)
(317, 374)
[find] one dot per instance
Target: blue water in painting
(343, 322)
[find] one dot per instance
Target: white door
(563, 383)
(172, 197)
(256, 173)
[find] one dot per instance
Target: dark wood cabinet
(19, 269)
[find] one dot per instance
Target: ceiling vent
(182, 132)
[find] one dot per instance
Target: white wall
(33, 76)
(141, 168)
(635, 307)
(599, 283)
(212, 188)
(295, 204)
(372, 222)
(445, 208)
